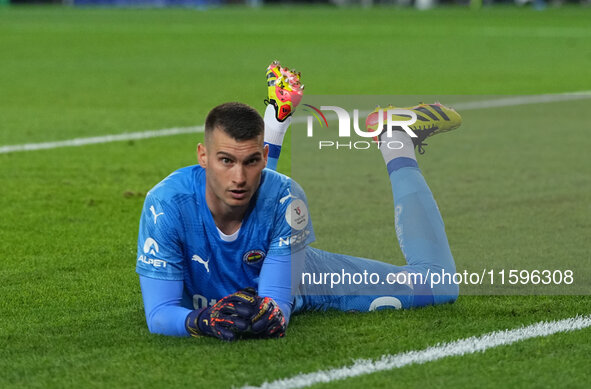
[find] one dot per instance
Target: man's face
(233, 169)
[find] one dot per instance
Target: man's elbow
(159, 324)
(153, 327)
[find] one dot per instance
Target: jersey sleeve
(159, 246)
(162, 304)
(292, 229)
(275, 282)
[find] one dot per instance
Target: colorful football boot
(432, 119)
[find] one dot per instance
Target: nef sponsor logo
(294, 239)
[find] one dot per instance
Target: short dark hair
(238, 120)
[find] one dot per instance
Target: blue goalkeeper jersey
(178, 238)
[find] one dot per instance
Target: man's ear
(266, 153)
(202, 155)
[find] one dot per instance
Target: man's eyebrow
(256, 154)
(225, 154)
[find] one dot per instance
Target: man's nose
(239, 174)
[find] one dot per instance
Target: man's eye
(253, 161)
(226, 161)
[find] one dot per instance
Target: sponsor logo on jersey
(200, 301)
(289, 196)
(253, 256)
(151, 248)
(296, 215)
(153, 210)
(200, 260)
(294, 239)
(150, 245)
(152, 261)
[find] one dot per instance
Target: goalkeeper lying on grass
(217, 240)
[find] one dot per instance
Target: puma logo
(289, 196)
(153, 210)
(197, 258)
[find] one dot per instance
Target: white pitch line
(457, 348)
(513, 101)
(495, 103)
(100, 139)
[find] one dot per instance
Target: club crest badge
(253, 256)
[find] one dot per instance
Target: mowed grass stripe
(464, 106)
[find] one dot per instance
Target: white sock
(274, 129)
(398, 145)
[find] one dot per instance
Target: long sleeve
(162, 305)
(275, 282)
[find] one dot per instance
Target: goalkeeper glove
(269, 321)
(228, 318)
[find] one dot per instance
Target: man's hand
(228, 318)
(240, 314)
(269, 321)
(285, 90)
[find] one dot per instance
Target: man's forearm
(162, 304)
(275, 282)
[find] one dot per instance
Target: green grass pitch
(70, 307)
